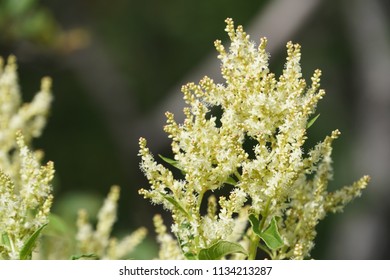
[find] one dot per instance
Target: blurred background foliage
(115, 64)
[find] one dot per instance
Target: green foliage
(312, 121)
(84, 257)
(220, 249)
(5, 241)
(172, 162)
(29, 245)
(29, 20)
(175, 204)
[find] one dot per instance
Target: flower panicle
(99, 241)
(244, 140)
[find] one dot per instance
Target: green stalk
(199, 203)
(237, 174)
(255, 239)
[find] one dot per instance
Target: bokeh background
(118, 66)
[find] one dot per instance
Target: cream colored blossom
(99, 243)
(25, 201)
(253, 152)
(169, 248)
(29, 118)
(25, 185)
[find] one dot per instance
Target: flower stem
(255, 239)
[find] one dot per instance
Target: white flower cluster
(253, 153)
(98, 243)
(25, 185)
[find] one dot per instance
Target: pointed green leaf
(219, 250)
(5, 239)
(271, 236)
(231, 181)
(25, 252)
(172, 162)
(255, 223)
(174, 203)
(312, 121)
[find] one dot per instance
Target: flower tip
(46, 84)
(229, 20)
(114, 193)
(20, 138)
(142, 141)
(335, 134)
(11, 60)
(263, 42)
(366, 178)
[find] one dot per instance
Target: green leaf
(25, 252)
(172, 162)
(220, 249)
(17, 8)
(84, 256)
(174, 203)
(190, 256)
(255, 223)
(231, 181)
(5, 240)
(271, 236)
(312, 121)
